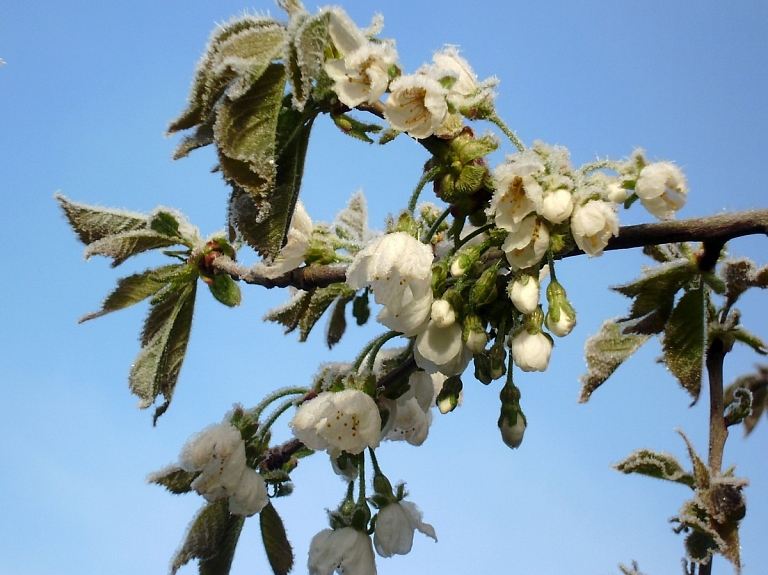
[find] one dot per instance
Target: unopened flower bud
(473, 334)
(616, 193)
(464, 260)
(498, 356)
(524, 292)
(448, 398)
(512, 421)
(442, 313)
(483, 368)
(561, 317)
(484, 291)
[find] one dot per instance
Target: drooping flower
(395, 526)
(442, 349)
(294, 252)
(218, 453)
(466, 93)
(531, 351)
(593, 225)
(348, 420)
(524, 292)
(410, 423)
(346, 551)
(662, 189)
(398, 267)
(527, 244)
(416, 105)
(561, 317)
(362, 74)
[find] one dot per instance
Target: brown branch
(713, 230)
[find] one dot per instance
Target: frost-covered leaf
(351, 223)
(211, 539)
(122, 246)
(289, 314)
(337, 323)
(306, 52)
(752, 340)
(604, 352)
(174, 479)
(701, 473)
(92, 223)
(654, 293)
(321, 300)
(238, 51)
(757, 384)
(684, 341)
(163, 346)
(355, 128)
(276, 544)
(655, 464)
(135, 288)
(225, 290)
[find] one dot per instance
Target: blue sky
(85, 97)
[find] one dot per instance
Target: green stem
(375, 462)
(499, 123)
(380, 342)
(426, 239)
(425, 179)
(551, 260)
(274, 396)
(473, 234)
(361, 479)
(373, 344)
(600, 165)
(265, 427)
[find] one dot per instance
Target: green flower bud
(512, 422)
(464, 260)
(484, 291)
(561, 317)
(448, 398)
(483, 368)
(474, 334)
(498, 357)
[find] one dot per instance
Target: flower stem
(372, 348)
(281, 409)
(423, 181)
(499, 123)
(426, 239)
(274, 396)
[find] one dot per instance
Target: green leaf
(604, 352)
(361, 309)
(175, 479)
(655, 464)
(225, 290)
(684, 341)
(212, 539)
(321, 300)
(306, 53)
(337, 324)
(276, 544)
(242, 48)
(92, 223)
(122, 246)
(135, 288)
(290, 313)
(752, 340)
(165, 223)
(164, 343)
(355, 128)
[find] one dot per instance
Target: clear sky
(85, 97)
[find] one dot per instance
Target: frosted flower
(348, 420)
(293, 253)
(250, 495)
(528, 244)
(442, 349)
(346, 551)
(416, 105)
(593, 225)
(218, 452)
(525, 293)
(466, 92)
(411, 422)
(398, 267)
(362, 75)
(395, 526)
(517, 191)
(616, 193)
(531, 352)
(442, 313)
(557, 206)
(662, 189)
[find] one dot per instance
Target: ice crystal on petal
(662, 189)
(518, 194)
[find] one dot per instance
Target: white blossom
(616, 193)
(527, 244)
(250, 496)
(442, 349)
(416, 105)
(518, 194)
(593, 225)
(362, 75)
(410, 422)
(398, 267)
(531, 352)
(442, 313)
(525, 293)
(466, 92)
(346, 551)
(662, 189)
(348, 420)
(395, 526)
(557, 206)
(294, 252)
(562, 326)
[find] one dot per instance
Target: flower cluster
(218, 454)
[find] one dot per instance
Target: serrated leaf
(684, 341)
(212, 538)
(306, 53)
(175, 480)
(135, 288)
(355, 128)
(654, 292)
(753, 341)
(122, 246)
(276, 544)
(225, 290)
(701, 474)
(92, 223)
(655, 464)
(604, 352)
(351, 223)
(164, 343)
(165, 223)
(337, 323)
(290, 313)
(321, 300)
(244, 46)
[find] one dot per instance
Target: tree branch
(713, 230)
